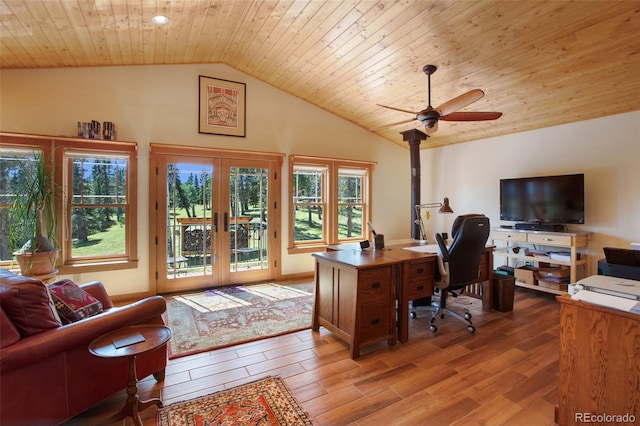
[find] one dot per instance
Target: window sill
(98, 267)
(307, 249)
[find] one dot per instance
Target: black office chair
(459, 264)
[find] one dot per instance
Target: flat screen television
(543, 199)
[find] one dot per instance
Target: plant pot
(38, 264)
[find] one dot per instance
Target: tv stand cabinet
(576, 243)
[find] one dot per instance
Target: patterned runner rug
(264, 402)
(231, 315)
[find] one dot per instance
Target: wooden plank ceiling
(541, 63)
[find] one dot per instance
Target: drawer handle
(420, 287)
(547, 239)
(375, 285)
(375, 321)
(420, 270)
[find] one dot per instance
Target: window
(309, 203)
(95, 203)
(15, 162)
(351, 204)
(96, 206)
(330, 201)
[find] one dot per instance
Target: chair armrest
(97, 290)
(443, 251)
(34, 348)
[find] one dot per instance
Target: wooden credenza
(355, 297)
(599, 364)
(576, 244)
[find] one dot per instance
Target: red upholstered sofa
(47, 374)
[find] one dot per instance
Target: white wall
(606, 150)
(160, 104)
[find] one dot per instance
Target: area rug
(265, 402)
(228, 316)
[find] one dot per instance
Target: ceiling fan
(448, 111)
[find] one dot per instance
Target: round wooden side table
(130, 342)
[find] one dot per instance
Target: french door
(216, 219)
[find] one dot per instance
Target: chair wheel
(433, 328)
(471, 329)
(467, 316)
(412, 314)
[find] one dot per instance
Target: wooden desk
(417, 278)
(599, 362)
(355, 297)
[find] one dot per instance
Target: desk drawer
(419, 289)
(550, 239)
(375, 322)
(421, 271)
(509, 236)
(375, 284)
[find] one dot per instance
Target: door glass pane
(190, 226)
(248, 198)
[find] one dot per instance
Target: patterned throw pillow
(72, 302)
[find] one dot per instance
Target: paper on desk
(607, 300)
(427, 248)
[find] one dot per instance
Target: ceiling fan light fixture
(160, 20)
(429, 123)
(428, 117)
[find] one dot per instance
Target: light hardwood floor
(505, 373)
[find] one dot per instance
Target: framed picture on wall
(222, 107)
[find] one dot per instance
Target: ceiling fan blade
(398, 109)
(471, 116)
(460, 102)
(392, 124)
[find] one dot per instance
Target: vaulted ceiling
(540, 63)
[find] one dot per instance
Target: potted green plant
(32, 218)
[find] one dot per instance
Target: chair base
(441, 312)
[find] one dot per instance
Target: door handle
(226, 222)
(215, 222)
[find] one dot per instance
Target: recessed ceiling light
(160, 20)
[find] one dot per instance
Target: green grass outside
(110, 242)
(306, 232)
